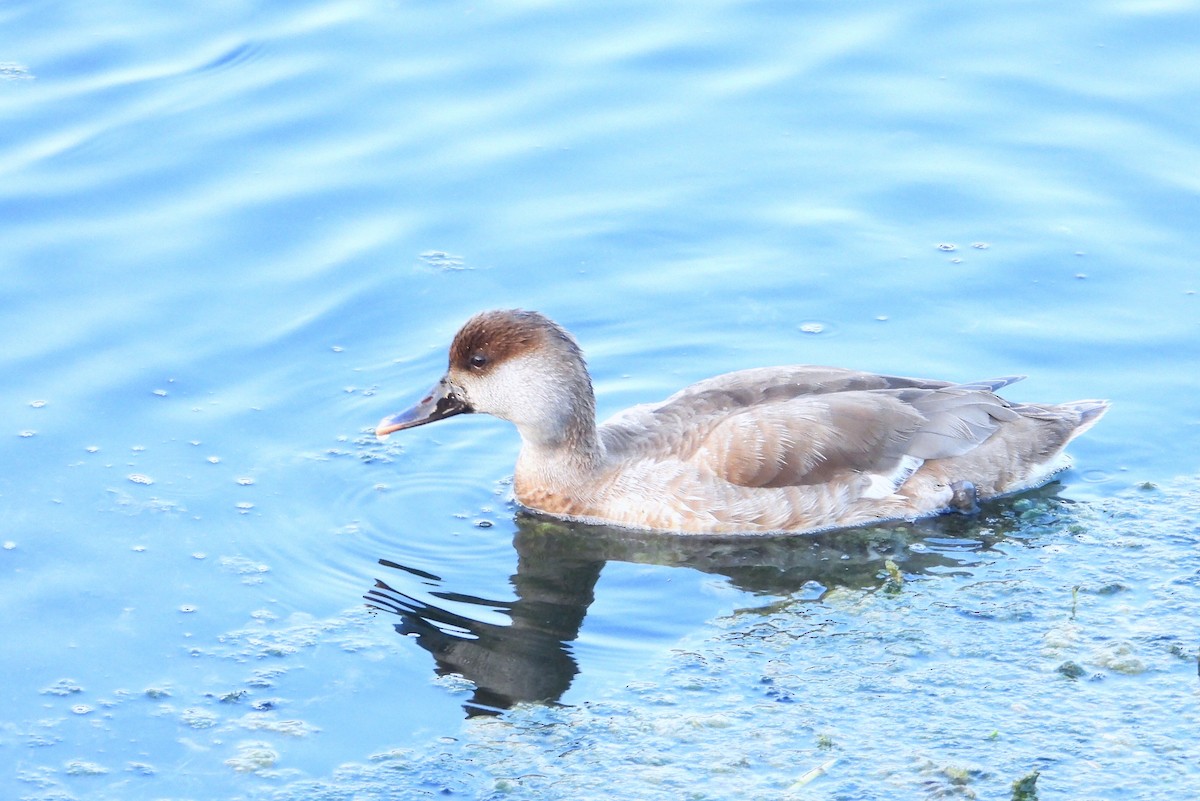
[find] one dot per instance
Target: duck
(784, 449)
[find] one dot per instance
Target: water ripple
(237, 56)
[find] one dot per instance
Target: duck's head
(517, 365)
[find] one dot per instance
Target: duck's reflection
(529, 658)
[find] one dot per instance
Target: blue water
(236, 235)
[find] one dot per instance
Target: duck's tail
(1047, 455)
(1089, 413)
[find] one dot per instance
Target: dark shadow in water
(559, 564)
(527, 660)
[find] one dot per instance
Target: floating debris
(11, 71)
(242, 566)
(815, 773)
(1071, 670)
(253, 757)
(442, 260)
(78, 767)
(1120, 657)
(63, 687)
(198, 718)
(947, 247)
(261, 721)
(263, 679)
(895, 579)
(1025, 788)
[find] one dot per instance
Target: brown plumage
(767, 449)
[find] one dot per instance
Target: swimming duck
(769, 449)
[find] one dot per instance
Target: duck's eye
(478, 360)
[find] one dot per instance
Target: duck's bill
(441, 402)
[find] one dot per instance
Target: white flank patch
(880, 485)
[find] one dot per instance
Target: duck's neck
(569, 438)
(561, 446)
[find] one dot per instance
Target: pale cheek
(503, 392)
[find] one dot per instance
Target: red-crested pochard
(770, 449)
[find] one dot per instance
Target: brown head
(517, 365)
(494, 337)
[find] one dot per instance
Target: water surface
(236, 236)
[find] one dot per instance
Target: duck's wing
(882, 434)
(777, 434)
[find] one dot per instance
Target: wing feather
(791, 426)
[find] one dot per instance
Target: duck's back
(786, 402)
